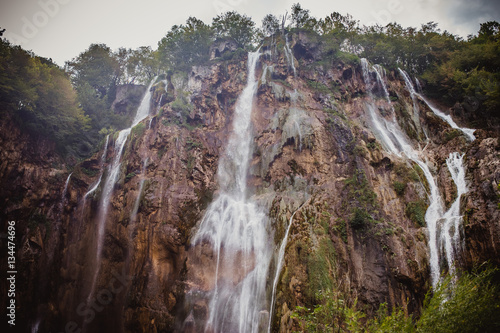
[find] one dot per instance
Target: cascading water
(65, 188)
(133, 216)
(101, 167)
(440, 224)
(279, 266)
(113, 174)
(409, 85)
(289, 56)
(452, 220)
(237, 231)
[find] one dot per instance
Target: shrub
(360, 219)
(469, 304)
(399, 187)
(416, 212)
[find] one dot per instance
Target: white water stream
(443, 227)
(237, 230)
(101, 167)
(109, 184)
(469, 133)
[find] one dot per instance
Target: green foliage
(129, 176)
(186, 45)
(233, 25)
(452, 134)
(138, 130)
(416, 212)
(360, 219)
(88, 172)
(40, 98)
(399, 187)
(332, 313)
(192, 144)
(181, 106)
(301, 18)
(318, 86)
(359, 190)
(469, 304)
(320, 264)
(340, 228)
(394, 322)
(270, 25)
(140, 65)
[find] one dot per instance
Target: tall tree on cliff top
(239, 27)
(185, 45)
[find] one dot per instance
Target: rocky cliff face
(358, 226)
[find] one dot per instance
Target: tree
(185, 45)
(270, 25)
(96, 67)
(39, 96)
(300, 17)
(236, 26)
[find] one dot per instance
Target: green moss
(192, 144)
(318, 87)
(451, 134)
(340, 228)
(138, 130)
(358, 190)
(161, 152)
(129, 176)
(88, 172)
(320, 267)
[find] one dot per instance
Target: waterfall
(237, 231)
(133, 215)
(452, 220)
(101, 167)
(113, 174)
(396, 142)
(447, 118)
(380, 81)
(279, 266)
(289, 56)
(65, 188)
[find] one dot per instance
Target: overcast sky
(62, 29)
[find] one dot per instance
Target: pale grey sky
(62, 29)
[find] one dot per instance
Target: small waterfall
(452, 220)
(113, 174)
(469, 133)
(447, 118)
(289, 56)
(279, 266)
(395, 141)
(378, 70)
(35, 326)
(237, 231)
(133, 215)
(419, 86)
(65, 188)
(101, 167)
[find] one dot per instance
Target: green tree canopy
(236, 26)
(39, 95)
(185, 45)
